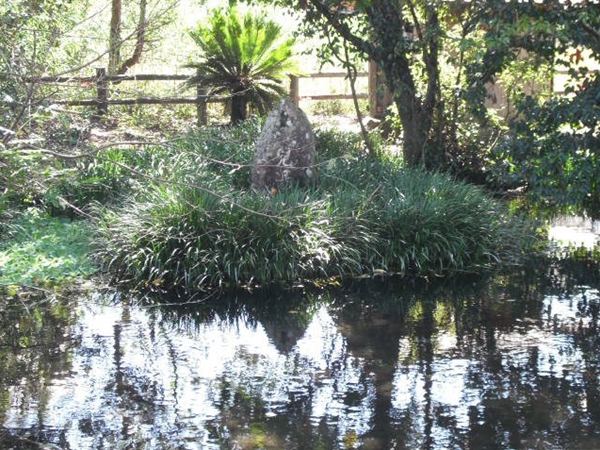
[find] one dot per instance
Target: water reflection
(505, 363)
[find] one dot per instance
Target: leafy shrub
(104, 178)
(334, 143)
(553, 152)
(334, 107)
(21, 176)
(38, 179)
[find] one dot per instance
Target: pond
(510, 362)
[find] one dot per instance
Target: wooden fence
(296, 96)
(379, 97)
(102, 100)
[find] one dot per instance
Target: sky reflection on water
(505, 364)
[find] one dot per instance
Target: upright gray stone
(285, 150)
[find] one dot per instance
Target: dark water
(506, 363)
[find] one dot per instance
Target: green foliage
(553, 149)
(503, 32)
(203, 229)
(39, 178)
(42, 251)
(243, 57)
(554, 152)
(105, 179)
(439, 71)
(19, 175)
(334, 144)
(335, 107)
(30, 44)
(223, 155)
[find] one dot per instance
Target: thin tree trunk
(114, 40)
(352, 74)
(239, 106)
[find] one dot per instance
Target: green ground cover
(39, 250)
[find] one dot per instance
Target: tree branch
(431, 57)
(417, 25)
(342, 28)
(139, 42)
(590, 30)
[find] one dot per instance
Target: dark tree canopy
(418, 43)
(408, 39)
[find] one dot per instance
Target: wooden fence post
(379, 95)
(101, 92)
(294, 90)
(201, 106)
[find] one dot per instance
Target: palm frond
(243, 54)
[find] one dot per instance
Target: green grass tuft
(364, 216)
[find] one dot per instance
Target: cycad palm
(243, 57)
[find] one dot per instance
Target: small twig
(75, 208)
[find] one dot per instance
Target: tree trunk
(397, 70)
(239, 106)
(114, 40)
(414, 129)
(398, 33)
(416, 111)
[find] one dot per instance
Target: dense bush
(66, 185)
(553, 152)
(104, 178)
(200, 225)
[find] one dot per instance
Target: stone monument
(285, 149)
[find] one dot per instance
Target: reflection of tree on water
(530, 395)
(423, 338)
(35, 345)
(372, 335)
(246, 391)
(506, 390)
(587, 337)
(373, 331)
(120, 387)
(490, 365)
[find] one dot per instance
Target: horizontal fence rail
(102, 100)
(295, 87)
(114, 78)
(377, 94)
(101, 82)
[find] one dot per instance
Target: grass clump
(203, 227)
(44, 251)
